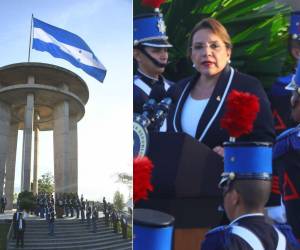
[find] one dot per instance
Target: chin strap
(153, 60)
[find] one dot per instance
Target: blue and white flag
(66, 45)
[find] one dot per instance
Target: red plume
(240, 113)
(153, 3)
(142, 171)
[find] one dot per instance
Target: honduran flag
(68, 46)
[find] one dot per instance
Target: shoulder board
(287, 141)
(285, 79)
(217, 230)
(287, 133)
(278, 87)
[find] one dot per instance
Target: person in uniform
(88, 214)
(15, 222)
(286, 159)
(150, 53)
(94, 218)
(82, 210)
(279, 95)
(199, 101)
(51, 221)
(246, 185)
(20, 229)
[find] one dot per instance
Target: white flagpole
(29, 49)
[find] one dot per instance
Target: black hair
(254, 193)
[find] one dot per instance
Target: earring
(194, 66)
(229, 61)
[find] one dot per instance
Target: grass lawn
(3, 233)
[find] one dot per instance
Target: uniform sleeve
(139, 98)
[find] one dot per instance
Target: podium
(185, 178)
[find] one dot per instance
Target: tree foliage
(46, 183)
(119, 201)
(258, 30)
(26, 200)
(125, 178)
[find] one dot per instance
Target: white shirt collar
(246, 215)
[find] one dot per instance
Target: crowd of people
(67, 205)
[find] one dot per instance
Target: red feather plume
(153, 3)
(240, 113)
(142, 172)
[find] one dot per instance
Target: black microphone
(147, 116)
(161, 113)
(163, 108)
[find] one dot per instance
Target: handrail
(8, 237)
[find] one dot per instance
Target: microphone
(148, 111)
(161, 113)
(163, 108)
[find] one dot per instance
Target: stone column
(73, 160)
(35, 161)
(61, 147)
(10, 165)
(27, 143)
(27, 139)
(4, 138)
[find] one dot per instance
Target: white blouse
(191, 113)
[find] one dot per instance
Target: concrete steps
(71, 234)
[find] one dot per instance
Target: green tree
(46, 183)
(258, 30)
(127, 180)
(119, 201)
(26, 200)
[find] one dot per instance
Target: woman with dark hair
(198, 101)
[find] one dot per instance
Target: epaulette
(278, 87)
(286, 133)
(288, 140)
(284, 80)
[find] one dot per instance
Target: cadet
(246, 185)
(150, 52)
(286, 158)
(94, 219)
(88, 214)
(279, 95)
(20, 229)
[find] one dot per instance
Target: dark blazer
(208, 130)
(23, 225)
(222, 238)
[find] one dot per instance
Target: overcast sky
(105, 132)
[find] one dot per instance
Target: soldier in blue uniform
(286, 158)
(246, 185)
(279, 95)
(150, 53)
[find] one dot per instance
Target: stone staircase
(71, 234)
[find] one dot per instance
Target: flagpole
(29, 49)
